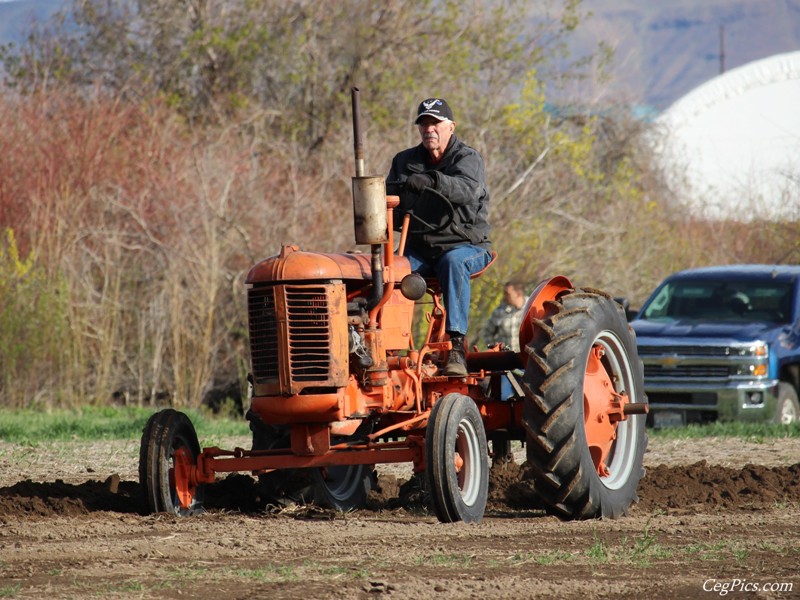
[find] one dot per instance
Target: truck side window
(658, 307)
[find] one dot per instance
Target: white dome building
(732, 145)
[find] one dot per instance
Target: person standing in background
(503, 324)
(502, 327)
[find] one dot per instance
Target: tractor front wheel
(457, 460)
(343, 488)
(584, 446)
(168, 450)
(281, 486)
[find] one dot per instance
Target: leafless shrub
(147, 217)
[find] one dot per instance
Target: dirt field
(716, 518)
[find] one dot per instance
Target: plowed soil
(716, 518)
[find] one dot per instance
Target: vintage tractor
(338, 386)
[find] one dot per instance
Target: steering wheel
(426, 227)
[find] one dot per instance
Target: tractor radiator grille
(263, 333)
(309, 333)
(291, 339)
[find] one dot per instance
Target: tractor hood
(293, 264)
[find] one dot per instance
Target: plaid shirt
(503, 326)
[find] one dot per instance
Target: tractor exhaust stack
(369, 207)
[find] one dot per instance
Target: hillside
(664, 50)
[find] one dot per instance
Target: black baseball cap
(434, 107)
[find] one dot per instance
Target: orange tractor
(338, 387)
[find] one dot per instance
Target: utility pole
(721, 49)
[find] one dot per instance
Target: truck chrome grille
(688, 371)
(721, 351)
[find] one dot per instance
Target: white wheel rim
(469, 476)
(788, 413)
(621, 460)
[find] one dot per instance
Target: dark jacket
(460, 178)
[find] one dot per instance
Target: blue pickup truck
(722, 343)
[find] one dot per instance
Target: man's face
(435, 134)
(513, 297)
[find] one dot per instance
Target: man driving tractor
(440, 170)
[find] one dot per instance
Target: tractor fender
(535, 308)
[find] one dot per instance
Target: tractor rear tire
(586, 464)
(457, 460)
(169, 446)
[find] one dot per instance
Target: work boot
(456, 361)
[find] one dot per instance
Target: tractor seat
(483, 270)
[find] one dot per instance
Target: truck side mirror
(630, 313)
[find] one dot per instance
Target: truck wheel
(457, 460)
(587, 460)
(168, 450)
(788, 409)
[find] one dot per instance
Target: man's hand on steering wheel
(419, 181)
(424, 226)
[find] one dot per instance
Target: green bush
(33, 325)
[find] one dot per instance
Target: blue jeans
(506, 390)
(453, 270)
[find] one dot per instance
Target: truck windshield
(721, 300)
